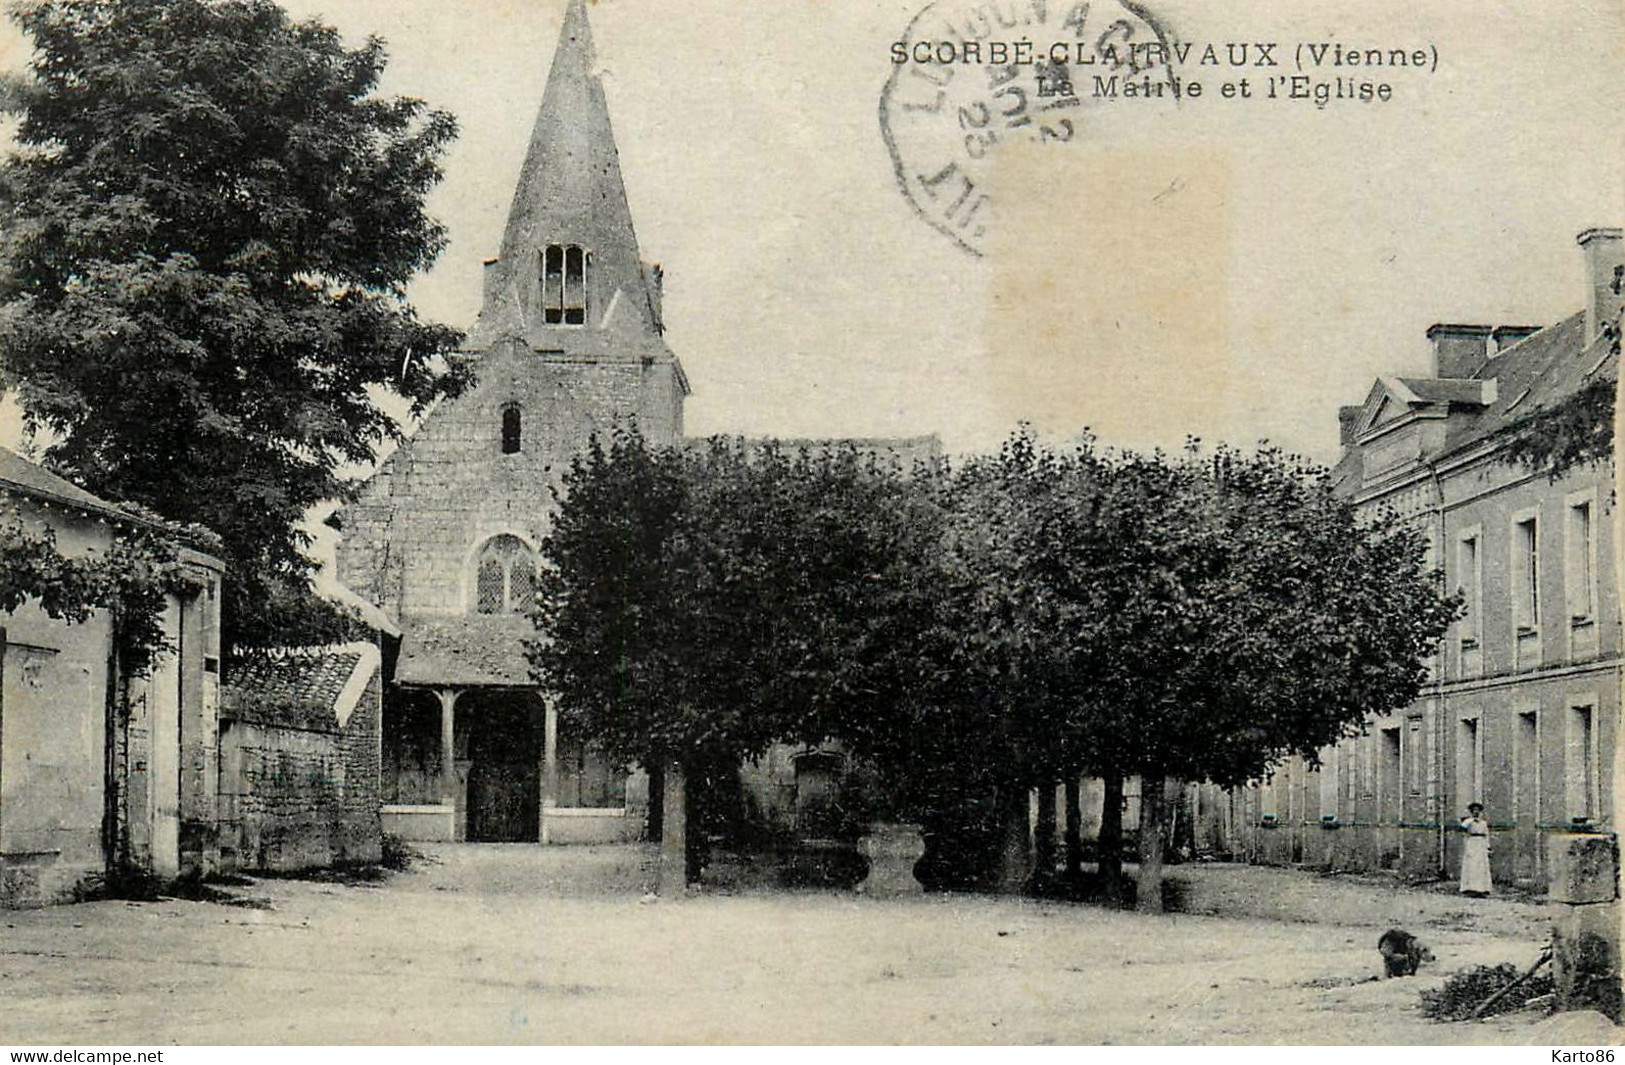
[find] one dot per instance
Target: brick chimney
(1507, 335)
(1347, 419)
(1459, 350)
(1605, 278)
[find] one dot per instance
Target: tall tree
(208, 228)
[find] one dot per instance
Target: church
(445, 537)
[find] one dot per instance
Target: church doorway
(504, 767)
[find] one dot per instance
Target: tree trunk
(699, 795)
(1109, 842)
(1015, 840)
(1074, 830)
(657, 803)
(1043, 877)
(673, 876)
(1153, 803)
(1183, 839)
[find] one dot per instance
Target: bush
(1462, 993)
(396, 855)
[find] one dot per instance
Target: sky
(1232, 269)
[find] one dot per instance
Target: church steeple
(569, 262)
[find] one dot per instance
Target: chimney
(489, 281)
(1459, 351)
(1605, 278)
(1507, 335)
(657, 292)
(1347, 419)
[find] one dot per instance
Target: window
(564, 285)
(1469, 762)
(510, 431)
(505, 580)
(1469, 584)
(1579, 562)
(1526, 574)
(1526, 770)
(1329, 765)
(1415, 763)
(1582, 763)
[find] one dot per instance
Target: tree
(1249, 615)
(208, 230)
(702, 604)
(1192, 617)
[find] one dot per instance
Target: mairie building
(1522, 710)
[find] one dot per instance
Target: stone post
(1584, 898)
(673, 875)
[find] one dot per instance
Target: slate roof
(1548, 366)
(1533, 374)
(304, 688)
(478, 651)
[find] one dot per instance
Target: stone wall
(409, 542)
(300, 791)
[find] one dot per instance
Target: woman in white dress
(1475, 853)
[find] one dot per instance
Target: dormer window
(510, 431)
(564, 285)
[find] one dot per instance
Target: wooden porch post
(448, 750)
(550, 760)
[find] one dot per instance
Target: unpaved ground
(500, 944)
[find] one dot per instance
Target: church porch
(493, 765)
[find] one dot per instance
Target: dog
(1402, 953)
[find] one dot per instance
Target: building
(444, 537)
(1523, 709)
(102, 773)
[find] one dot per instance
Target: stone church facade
(445, 536)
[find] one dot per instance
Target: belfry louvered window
(564, 284)
(505, 582)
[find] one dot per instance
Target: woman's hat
(1474, 806)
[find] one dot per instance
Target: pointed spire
(571, 195)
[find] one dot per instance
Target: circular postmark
(969, 76)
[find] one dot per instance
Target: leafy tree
(703, 604)
(1242, 613)
(208, 228)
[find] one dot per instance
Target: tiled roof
(477, 651)
(314, 688)
(31, 479)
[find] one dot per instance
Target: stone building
(101, 773)
(1523, 709)
(444, 537)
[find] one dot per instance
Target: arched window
(510, 431)
(564, 284)
(505, 582)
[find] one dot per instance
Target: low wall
(420, 824)
(584, 825)
(300, 791)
